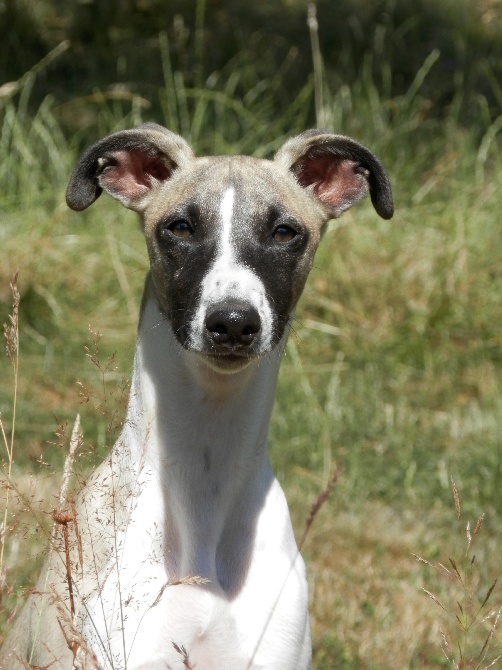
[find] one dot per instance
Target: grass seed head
(184, 655)
(456, 498)
(11, 329)
(479, 524)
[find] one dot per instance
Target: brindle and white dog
(188, 489)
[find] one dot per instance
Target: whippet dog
(187, 555)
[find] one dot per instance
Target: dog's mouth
(224, 356)
(228, 361)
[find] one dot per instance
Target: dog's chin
(228, 363)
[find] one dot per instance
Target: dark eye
(181, 229)
(284, 234)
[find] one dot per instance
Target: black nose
(233, 324)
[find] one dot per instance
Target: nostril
(233, 324)
(217, 329)
(250, 329)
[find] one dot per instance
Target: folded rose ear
(338, 171)
(128, 165)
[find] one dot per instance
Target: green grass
(393, 371)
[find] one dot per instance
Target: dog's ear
(128, 165)
(338, 171)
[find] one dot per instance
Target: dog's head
(231, 239)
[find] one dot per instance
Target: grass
(393, 372)
(466, 610)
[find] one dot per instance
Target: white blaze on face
(226, 211)
(228, 280)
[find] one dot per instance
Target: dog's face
(230, 253)
(231, 239)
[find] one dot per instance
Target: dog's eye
(181, 229)
(284, 234)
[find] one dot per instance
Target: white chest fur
(141, 611)
(205, 504)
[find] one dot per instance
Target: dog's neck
(203, 435)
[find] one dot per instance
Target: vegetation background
(394, 370)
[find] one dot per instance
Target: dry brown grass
(369, 609)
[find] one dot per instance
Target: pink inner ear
(336, 181)
(130, 175)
